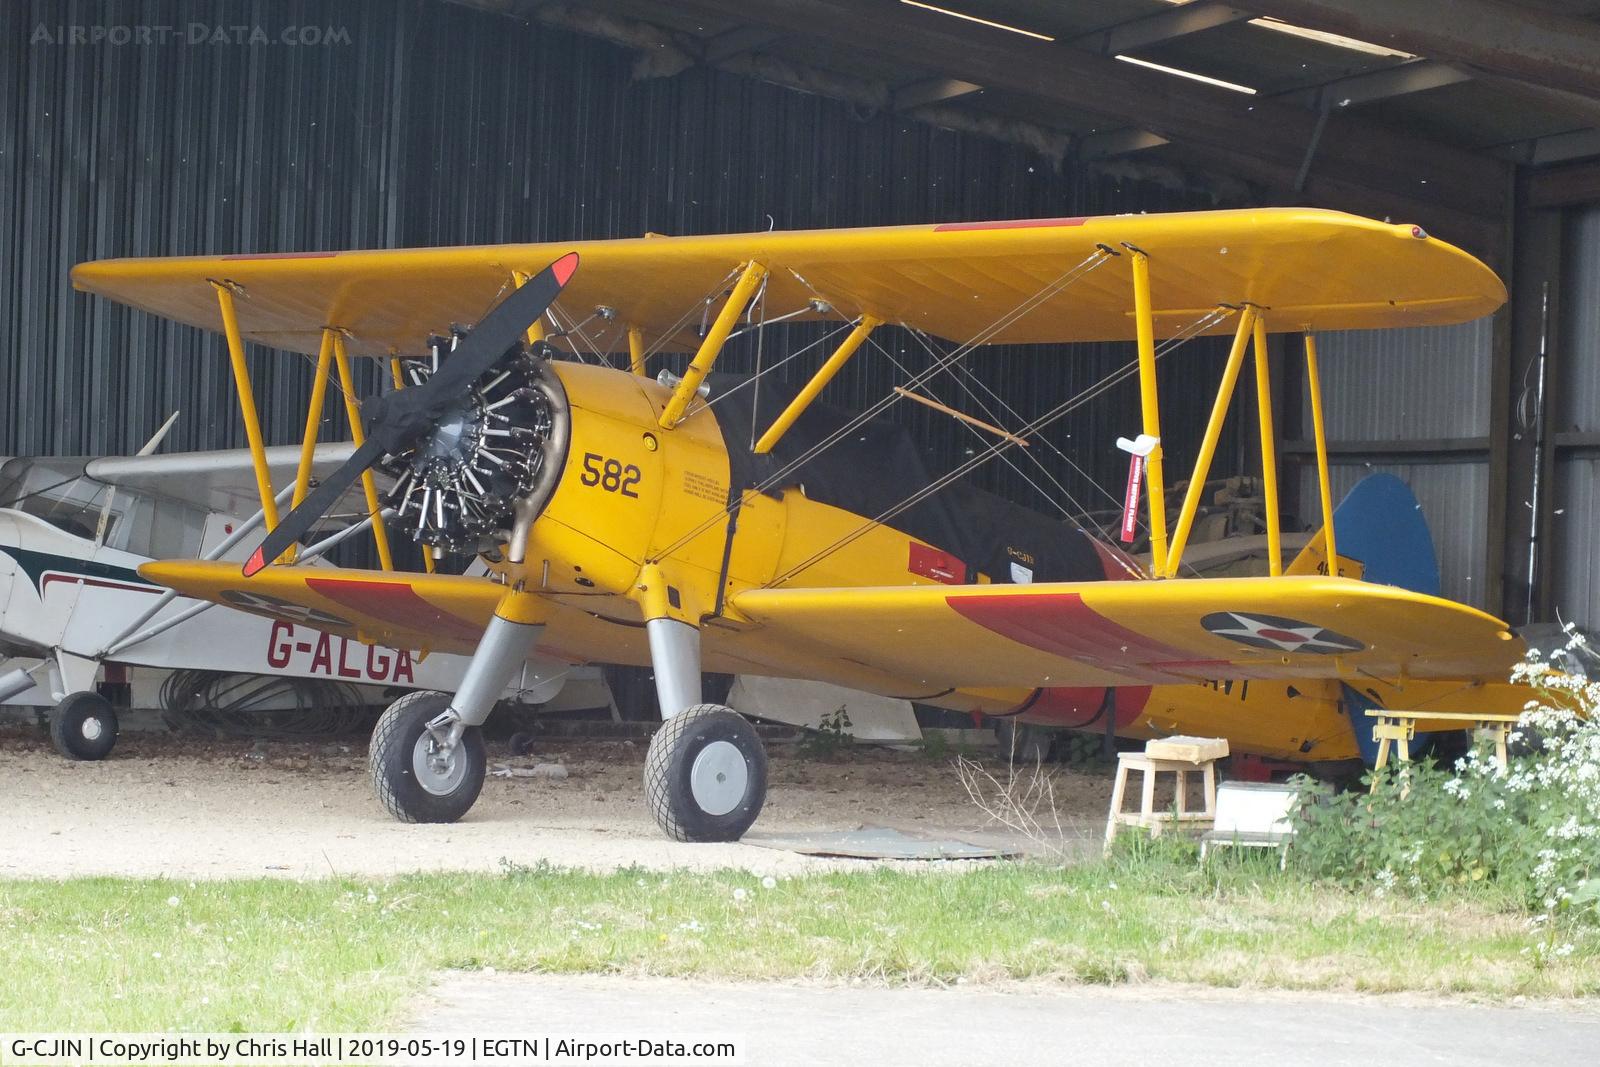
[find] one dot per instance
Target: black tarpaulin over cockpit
(876, 467)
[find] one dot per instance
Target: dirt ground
(185, 807)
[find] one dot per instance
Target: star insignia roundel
(1278, 633)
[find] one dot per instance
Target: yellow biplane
(662, 523)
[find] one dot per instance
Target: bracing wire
(1101, 255)
(1032, 429)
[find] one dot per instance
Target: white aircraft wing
(224, 481)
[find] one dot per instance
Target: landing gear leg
(427, 757)
(83, 724)
(705, 778)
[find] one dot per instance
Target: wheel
(84, 726)
(705, 777)
(413, 779)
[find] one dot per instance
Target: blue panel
(1381, 524)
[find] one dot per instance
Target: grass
(343, 954)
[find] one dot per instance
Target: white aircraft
(74, 612)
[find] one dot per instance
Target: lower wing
(1141, 632)
(436, 612)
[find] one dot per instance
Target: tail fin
(1381, 536)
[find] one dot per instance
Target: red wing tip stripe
(1009, 224)
(563, 267)
(395, 603)
(254, 563)
(278, 255)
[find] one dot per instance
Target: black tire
(670, 768)
(84, 726)
(390, 761)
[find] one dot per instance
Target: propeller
(395, 420)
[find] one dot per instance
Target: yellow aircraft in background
(669, 523)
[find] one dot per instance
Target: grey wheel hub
(439, 767)
(92, 728)
(718, 778)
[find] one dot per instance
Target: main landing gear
(705, 777)
(419, 776)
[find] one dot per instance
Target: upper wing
(437, 612)
(222, 481)
(1121, 633)
(1311, 269)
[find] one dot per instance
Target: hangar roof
(1419, 111)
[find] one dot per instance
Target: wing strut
(1155, 480)
(369, 484)
(247, 401)
(1269, 450)
(1314, 387)
(818, 382)
(711, 347)
(1208, 445)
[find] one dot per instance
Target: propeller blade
(400, 417)
(397, 418)
(505, 325)
(298, 522)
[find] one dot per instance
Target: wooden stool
(1179, 755)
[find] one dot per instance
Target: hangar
(513, 120)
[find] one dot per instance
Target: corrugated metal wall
(1407, 386)
(428, 123)
(1577, 488)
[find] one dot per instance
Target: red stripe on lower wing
(1063, 625)
(396, 603)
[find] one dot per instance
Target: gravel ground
(186, 807)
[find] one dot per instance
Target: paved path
(818, 1025)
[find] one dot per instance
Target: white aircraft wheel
(84, 726)
(705, 778)
(416, 778)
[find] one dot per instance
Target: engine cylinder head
(457, 487)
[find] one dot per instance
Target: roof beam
(1416, 76)
(1533, 46)
(932, 91)
(1554, 148)
(1117, 143)
(1352, 154)
(736, 42)
(1163, 26)
(1577, 183)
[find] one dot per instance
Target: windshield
(56, 491)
